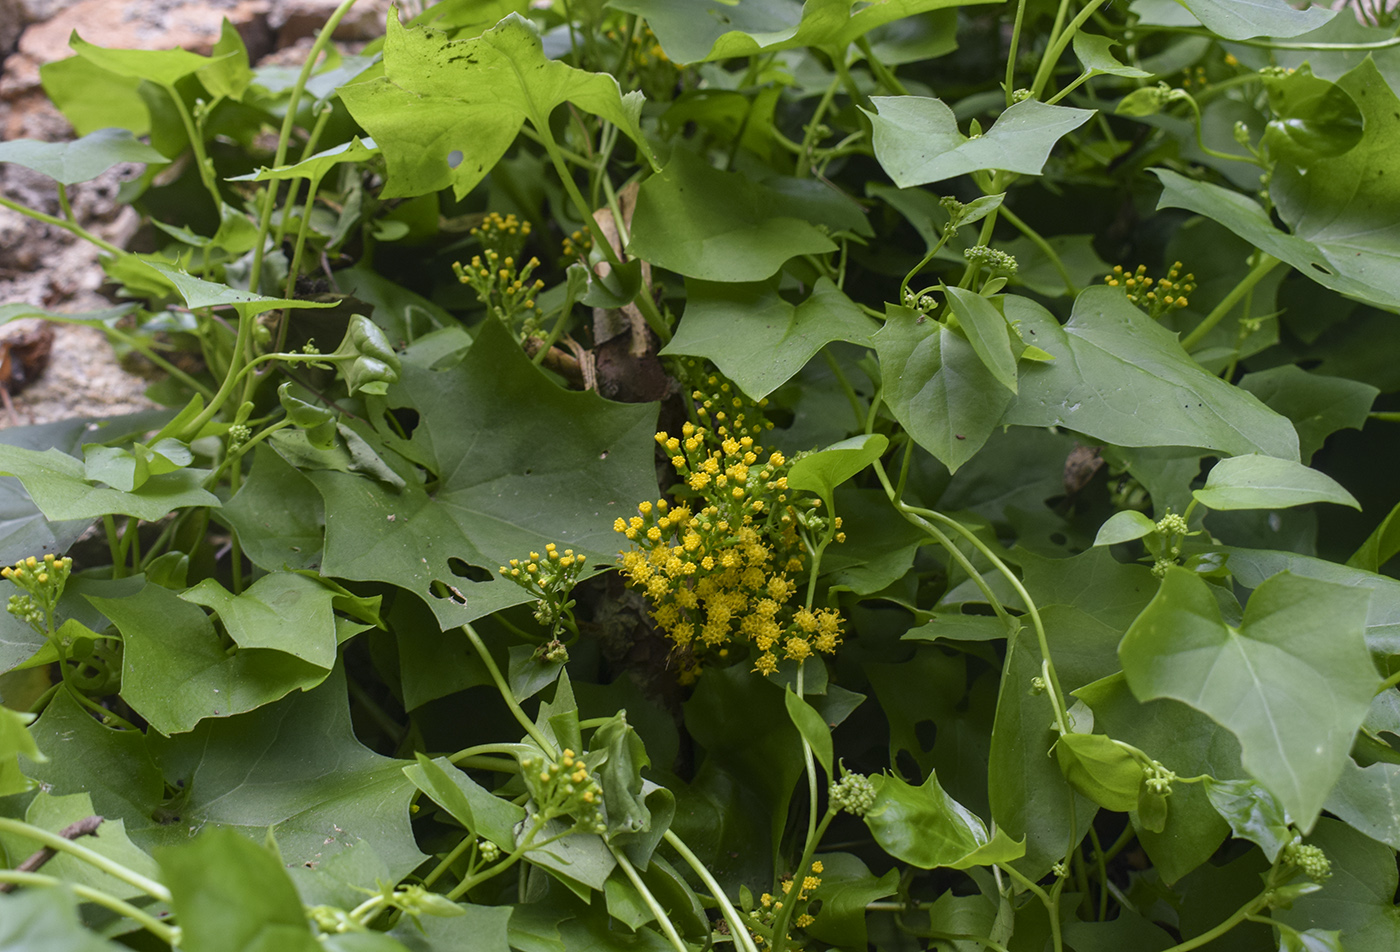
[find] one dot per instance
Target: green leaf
(128, 470)
(927, 828)
(1318, 406)
(812, 727)
(200, 293)
(316, 166)
(1359, 898)
(1122, 378)
(278, 515)
(1096, 54)
(1244, 19)
(57, 484)
(621, 776)
(694, 30)
(821, 472)
(16, 741)
(987, 331)
(1124, 526)
(1362, 267)
(1293, 682)
(1185, 741)
(1251, 567)
(445, 111)
(230, 894)
(1312, 118)
(163, 67)
(736, 229)
(1253, 813)
(516, 463)
(1265, 482)
(1039, 272)
(1368, 799)
(758, 339)
(285, 611)
(46, 920)
(81, 160)
(1101, 770)
(176, 670)
(937, 387)
(479, 928)
(54, 813)
(93, 98)
(481, 812)
(917, 139)
(847, 888)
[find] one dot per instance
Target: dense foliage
(654, 474)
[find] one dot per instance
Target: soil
(50, 269)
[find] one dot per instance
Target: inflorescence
(1171, 292)
(720, 564)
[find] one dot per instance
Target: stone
(293, 20)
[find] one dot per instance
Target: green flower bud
(853, 793)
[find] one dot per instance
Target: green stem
(312, 185)
(1263, 266)
(201, 158)
(737, 929)
(165, 932)
(1240, 915)
(662, 919)
(1389, 683)
(1051, 904)
(780, 924)
(1011, 55)
(112, 868)
(506, 694)
(809, 135)
(136, 344)
(1062, 39)
(846, 388)
(114, 548)
(881, 71)
(1275, 45)
(1078, 81)
(68, 226)
(471, 882)
(468, 842)
(284, 137)
(1043, 245)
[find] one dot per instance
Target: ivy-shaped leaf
(81, 160)
(445, 111)
(1293, 682)
(917, 139)
(1265, 482)
(759, 340)
(927, 828)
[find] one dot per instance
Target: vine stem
(284, 136)
(112, 868)
(1240, 915)
(662, 919)
(164, 931)
(1051, 904)
(526, 843)
(68, 226)
(506, 693)
(1015, 49)
(1262, 267)
(1061, 715)
(1052, 55)
(1043, 245)
(780, 924)
(742, 938)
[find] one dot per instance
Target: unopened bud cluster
(1310, 860)
(853, 793)
(997, 262)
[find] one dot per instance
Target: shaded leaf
(1253, 813)
(758, 339)
(821, 472)
(1243, 19)
(736, 229)
(813, 728)
(46, 920)
(58, 485)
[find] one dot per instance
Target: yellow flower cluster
(41, 581)
(646, 49)
(578, 244)
(1171, 291)
(724, 570)
(549, 579)
(565, 788)
(503, 234)
(501, 285)
(763, 918)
